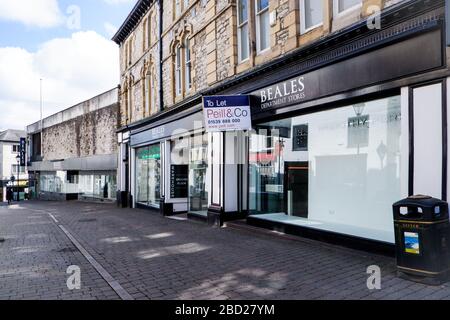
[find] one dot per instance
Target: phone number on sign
(224, 121)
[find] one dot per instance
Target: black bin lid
(420, 201)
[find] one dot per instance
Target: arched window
(182, 65)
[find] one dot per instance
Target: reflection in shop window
(340, 167)
(148, 175)
(199, 175)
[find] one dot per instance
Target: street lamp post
(18, 176)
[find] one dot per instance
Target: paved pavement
(145, 256)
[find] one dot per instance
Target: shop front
(171, 169)
(341, 129)
(340, 135)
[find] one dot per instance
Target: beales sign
(281, 94)
(227, 113)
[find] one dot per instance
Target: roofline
(117, 88)
(140, 8)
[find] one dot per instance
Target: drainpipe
(161, 90)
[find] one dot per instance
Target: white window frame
(258, 27)
(336, 12)
(188, 65)
(145, 35)
(177, 8)
(240, 25)
(15, 146)
(178, 71)
(303, 28)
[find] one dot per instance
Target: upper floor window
(128, 99)
(15, 168)
(152, 92)
(16, 148)
(130, 51)
(341, 6)
(177, 8)
(187, 61)
(36, 145)
(148, 90)
(243, 30)
(180, 7)
(182, 65)
(262, 25)
(149, 31)
(311, 14)
(178, 78)
(145, 34)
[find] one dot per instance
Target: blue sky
(45, 39)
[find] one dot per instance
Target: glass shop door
(296, 188)
(198, 175)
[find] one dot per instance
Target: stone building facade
(211, 27)
(77, 153)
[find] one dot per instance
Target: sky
(66, 43)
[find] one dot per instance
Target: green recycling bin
(422, 236)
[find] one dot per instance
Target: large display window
(337, 170)
(148, 175)
(99, 185)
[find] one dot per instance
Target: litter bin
(422, 234)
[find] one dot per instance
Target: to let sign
(227, 113)
(22, 152)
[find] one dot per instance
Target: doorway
(198, 175)
(296, 191)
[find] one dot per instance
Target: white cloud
(38, 13)
(74, 69)
(110, 29)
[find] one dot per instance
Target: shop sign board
(227, 113)
(179, 178)
(150, 153)
(22, 152)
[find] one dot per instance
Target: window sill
(263, 52)
(347, 12)
(304, 31)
